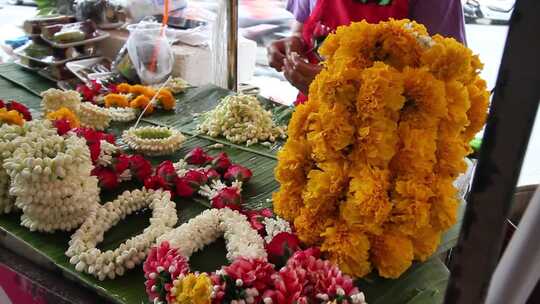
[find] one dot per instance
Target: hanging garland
(109, 264)
(368, 168)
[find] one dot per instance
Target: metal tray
(20, 53)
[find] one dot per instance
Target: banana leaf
(422, 283)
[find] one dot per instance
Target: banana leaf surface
(422, 283)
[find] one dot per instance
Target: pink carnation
(162, 266)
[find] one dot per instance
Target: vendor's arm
(443, 17)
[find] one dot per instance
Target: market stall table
(422, 282)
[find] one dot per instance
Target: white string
(152, 101)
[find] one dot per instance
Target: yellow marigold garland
(367, 172)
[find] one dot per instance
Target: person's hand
(280, 49)
(299, 72)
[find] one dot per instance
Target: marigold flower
(142, 90)
(65, 114)
(116, 100)
(368, 169)
(166, 99)
(11, 117)
(192, 289)
(123, 88)
(141, 102)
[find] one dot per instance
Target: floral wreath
(153, 140)
(82, 246)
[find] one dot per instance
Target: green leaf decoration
(422, 283)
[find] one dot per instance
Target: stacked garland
(367, 172)
(12, 118)
(50, 178)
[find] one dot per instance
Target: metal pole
(519, 270)
(509, 126)
(232, 45)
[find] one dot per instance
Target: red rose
(183, 188)
(211, 174)
(166, 171)
(112, 88)
(95, 150)
(107, 177)
(155, 182)
(256, 218)
(227, 197)
(2, 104)
(90, 91)
(140, 166)
(197, 157)
(237, 172)
(196, 178)
(282, 247)
(22, 109)
(122, 163)
(62, 126)
(221, 163)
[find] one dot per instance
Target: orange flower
(65, 114)
(11, 117)
(123, 88)
(116, 100)
(166, 98)
(142, 90)
(140, 103)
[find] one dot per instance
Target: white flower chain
(275, 226)
(175, 85)
(240, 238)
(241, 119)
(166, 142)
(111, 263)
(7, 134)
(54, 99)
(50, 178)
(123, 114)
(106, 152)
(93, 116)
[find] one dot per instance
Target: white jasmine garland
(175, 85)
(7, 134)
(123, 114)
(93, 116)
(241, 119)
(106, 152)
(153, 141)
(181, 168)
(54, 99)
(240, 238)
(275, 226)
(50, 179)
(111, 263)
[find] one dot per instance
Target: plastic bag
(150, 51)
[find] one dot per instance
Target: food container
(47, 55)
(32, 27)
(72, 34)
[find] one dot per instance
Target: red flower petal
(238, 172)
(198, 157)
(107, 177)
(183, 188)
(62, 126)
(22, 109)
(221, 162)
